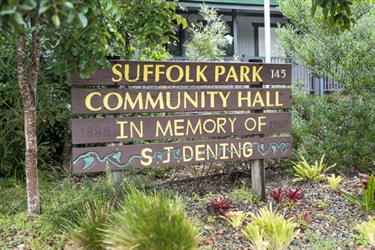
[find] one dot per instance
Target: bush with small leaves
(148, 221)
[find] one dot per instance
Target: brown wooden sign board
(188, 73)
(168, 127)
(167, 154)
(119, 101)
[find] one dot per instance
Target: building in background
(245, 20)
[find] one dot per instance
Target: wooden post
(257, 171)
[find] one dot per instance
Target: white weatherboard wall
(246, 35)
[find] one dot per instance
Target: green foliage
(335, 123)
(53, 117)
(236, 218)
(88, 226)
(243, 195)
(366, 199)
(269, 230)
(306, 172)
(367, 230)
(334, 181)
(314, 43)
(155, 221)
(207, 40)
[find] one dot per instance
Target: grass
(61, 201)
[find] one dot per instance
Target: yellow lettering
(132, 103)
(277, 100)
(221, 121)
(247, 98)
(152, 102)
(199, 153)
(169, 149)
(260, 123)
(187, 157)
(254, 124)
(244, 73)
(169, 100)
(164, 132)
(205, 126)
(268, 100)
(178, 127)
(224, 98)
(187, 74)
(145, 156)
(232, 124)
(180, 73)
(256, 74)
(224, 146)
(258, 99)
(88, 101)
(200, 73)
(106, 99)
(247, 149)
(133, 127)
(127, 73)
(187, 97)
(219, 70)
(189, 127)
(122, 130)
(158, 72)
(116, 72)
(232, 74)
(146, 71)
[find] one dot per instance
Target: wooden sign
(167, 154)
(188, 73)
(168, 127)
(120, 101)
(163, 87)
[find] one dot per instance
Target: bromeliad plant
(307, 172)
(365, 197)
(277, 195)
(270, 230)
(236, 218)
(334, 181)
(292, 194)
(220, 205)
(367, 230)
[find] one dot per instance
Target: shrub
(337, 124)
(87, 228)
(269, 230)
(151, 222)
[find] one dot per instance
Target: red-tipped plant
(220, 205)
(357, 182)
(304, 216)
(294, 194)
(277, 195)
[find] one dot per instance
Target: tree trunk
(27, 84)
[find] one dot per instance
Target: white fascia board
(255, 8)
